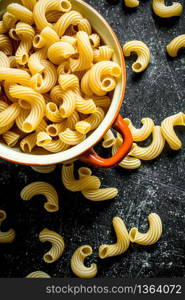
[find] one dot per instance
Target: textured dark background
(158, 186)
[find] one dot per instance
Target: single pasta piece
(85, 53)
(85, 84)
(102, 53)
(9, 115)
(131, 3)
(44, 6)
(45, 81)
(96, 194)
(176, 44)
(108, 139)
(163, 11)
(8, 236)
(21, 13)
(122, 242)
(69, 104)
(29, 4)
(98, 72)
(74, 185)
(90, 123)
(100, 194)
(94, 40)
(37, 102)
(71, 137)
(57, 242)
(44, 169)
(128, 162)
(55, 146)
(168, 130)
(70, 18)
(59, 51)
(42, 188)
(142, 133)
(72, 120)
(38, 274)
(11, 138)
(53, 16)
(9, 20)
(69, 81)
(45, 38)
(56, 94)
(77, 263)
(35, 61)
(6, 44)
(52, 112)
(152, 235)
(43, 139)
(153, 150)
(15, 76)
(85, 106)
(4, 60)
(143, 53)
(28, 143)
(13, 62)
(25, 33)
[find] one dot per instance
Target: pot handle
(91, 157)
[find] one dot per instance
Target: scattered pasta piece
(131, 3)
(143, 53)
(142, 133)
(175, 45)
(7, 236)
(38, 274)
(77, 263)
(151, 236)
(74, 185)
(128, 162)
(100, 194)
(96, 194)
(44, 169)
(122, 243)
(168, 131)
(45, 189)
(57, 242)
(164, 11)
(153, 150)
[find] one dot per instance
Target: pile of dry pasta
(50, 66)
(54, 74)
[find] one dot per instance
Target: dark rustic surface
(158, 186)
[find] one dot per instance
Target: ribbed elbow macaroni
(37, 103)
(44, 6)
(55, 72)
(122, 242)
(44, 169)
(77, 263)
(152, 235)
(175, 45)
(75, 185)
(143, 53)
(7, 236)
(164, 11)
(100, 194)
(141, 134)
(38, 274)
(57, 242)
(45, 189)
(168, 130)
(153, 150)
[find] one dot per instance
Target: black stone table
(158, 186)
